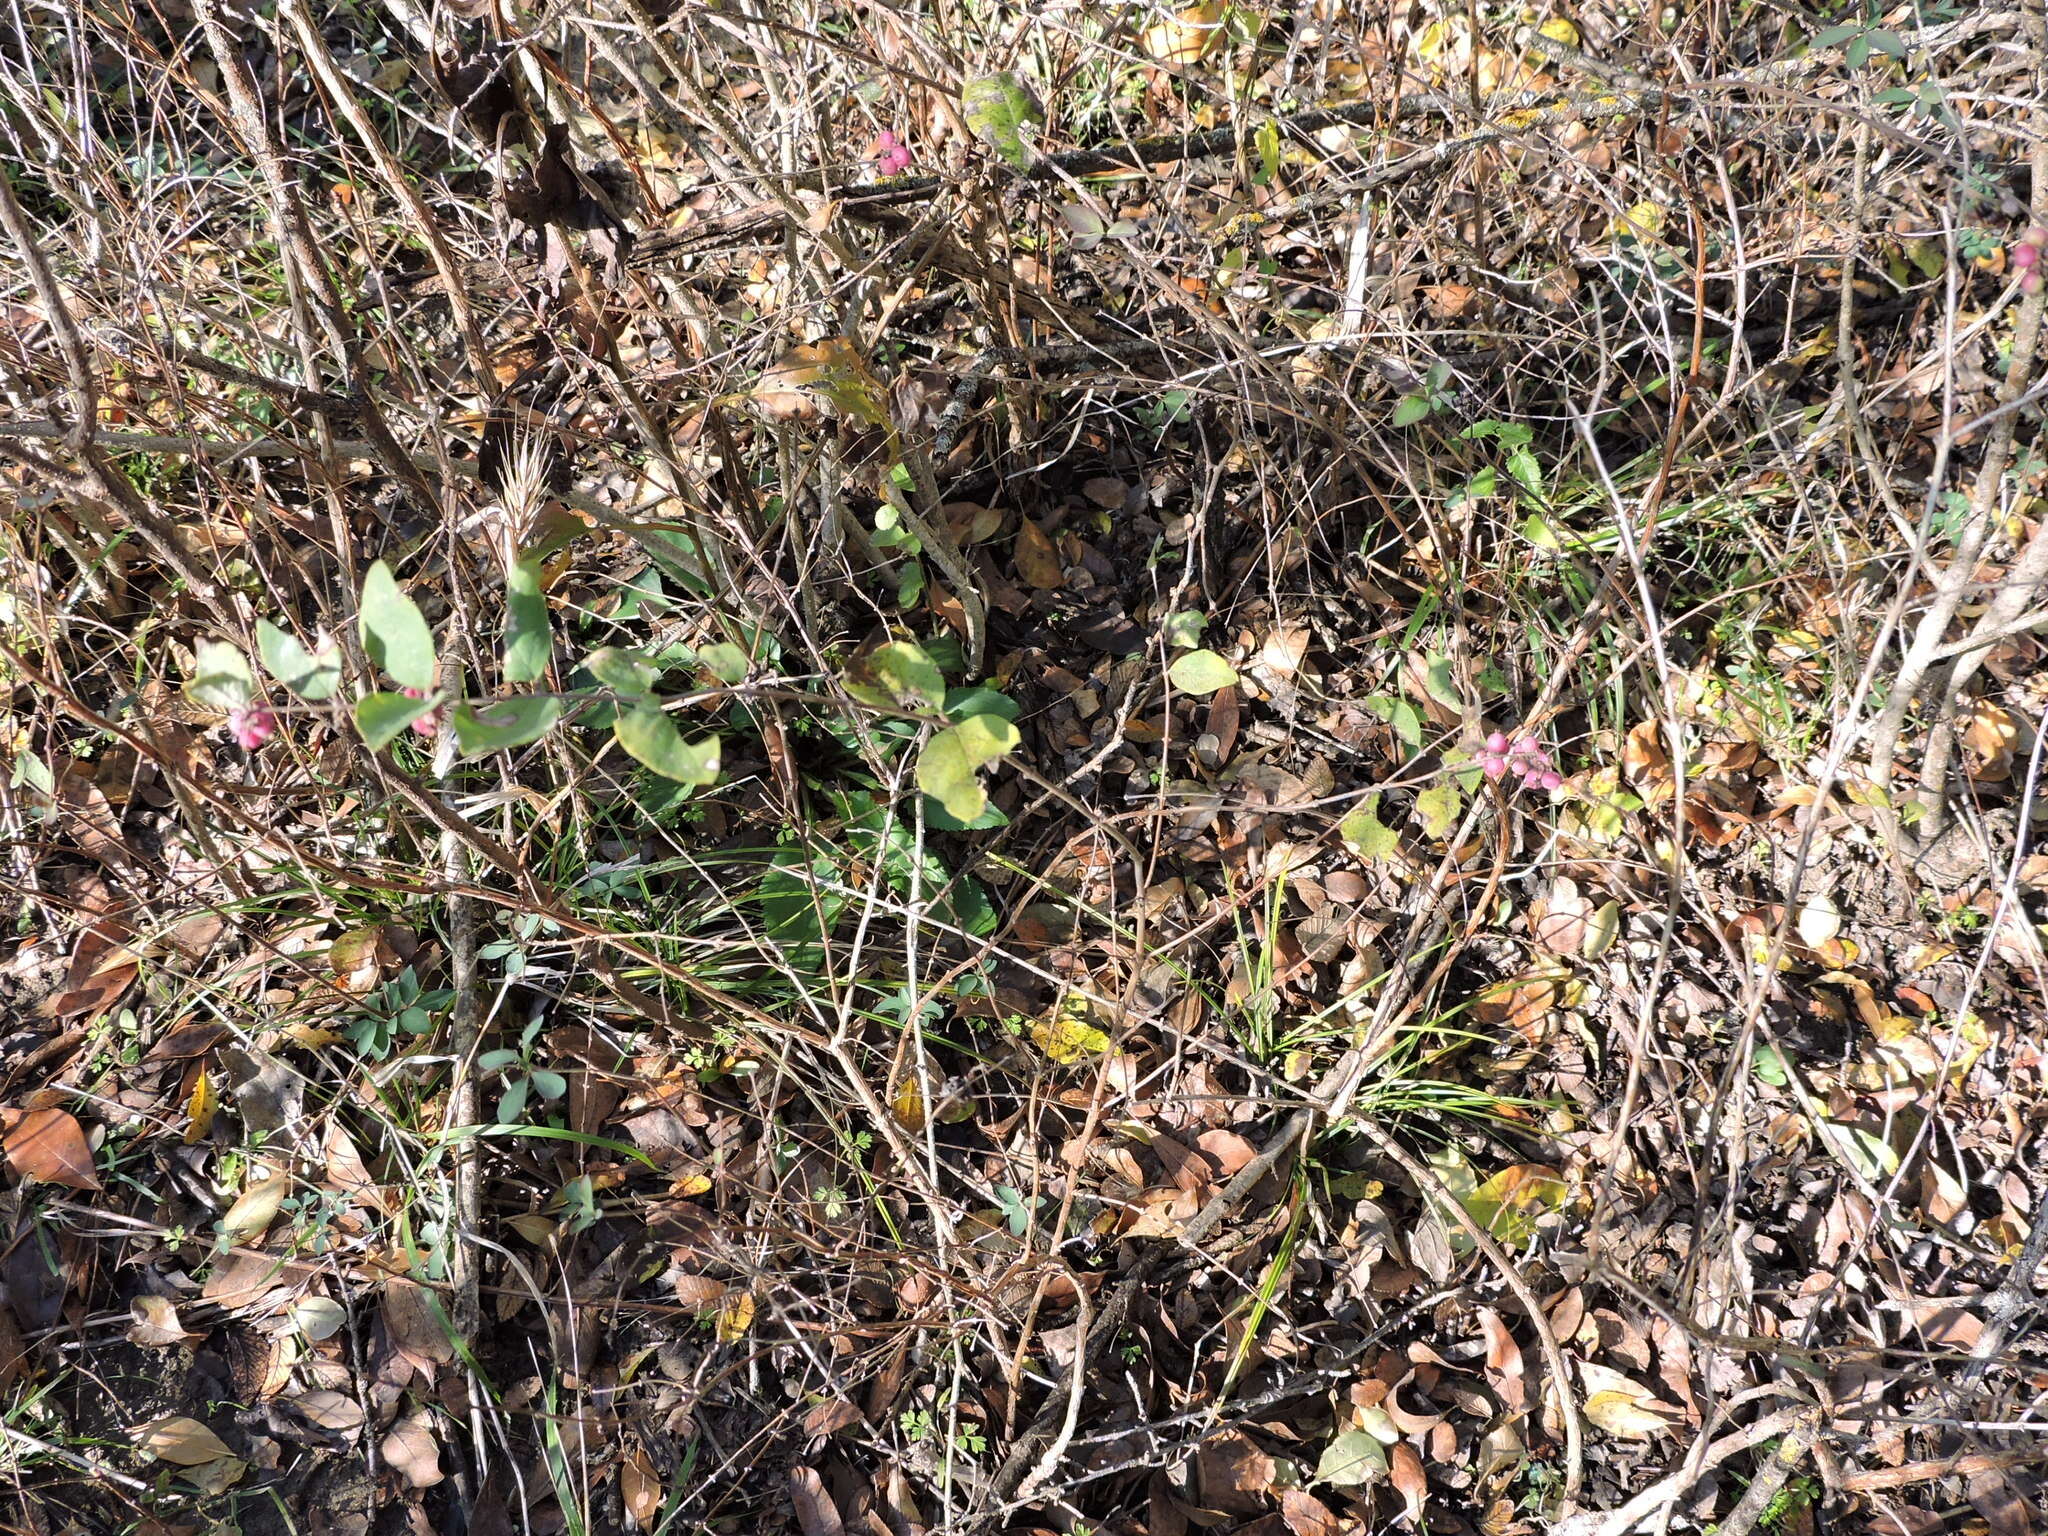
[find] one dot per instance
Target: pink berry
(2025, 256)
(2037, 236)
(252, 725)
(2030, 282)
(1496, 742)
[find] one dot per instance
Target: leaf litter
(960, 824)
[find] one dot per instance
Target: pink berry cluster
(892, 155)
(252, 724)
(2026, 258)
(1523, 757)
(427, 724)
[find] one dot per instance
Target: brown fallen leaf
(50, 1145)
(1307, 1515)
(255, 1208)
(639, 1486)
(411, 1450)
(1038, 562)
(334, 1411)
(155, 1324)
(181, 1441)
(816, 1514)
(1410, 1480)
(1233, 1474)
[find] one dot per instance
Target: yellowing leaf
(1066, 1035)
(1201, 672)
(1366, 835)
(1508, 1204)
(834, 371)
(200, 1108)
(1622, 1406)
(1559, 30)
(1437, 808)
(735, 1317)
(255, 1209)
(948, 766)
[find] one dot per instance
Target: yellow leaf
(735, 1318)
(1559, 30)
(1645, 221)
(311, 1036)
(1186, 35)
(1066, 1035)
(200, 1108)
(908, 1105)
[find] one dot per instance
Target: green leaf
(1769, 1066)
(998, 109)
(725, 661)
(312, 676)
(1184, 629)
(622, 671)
(395, 637)
(1438, 808)
(1527, 473)
(1401, 715)
(1410, 409)
(528, 640)
(503, 723)
(1835, 34)
(1352, 1460)
(1201, 672)
(652, 739)
(948, 766)
(221, 678)
(1267, 142)
(1366, 835)
(938, 818)
(381, 716)
(898, 675)
(1439, 678)
(962, 702)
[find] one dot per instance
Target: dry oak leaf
(50, 1145)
